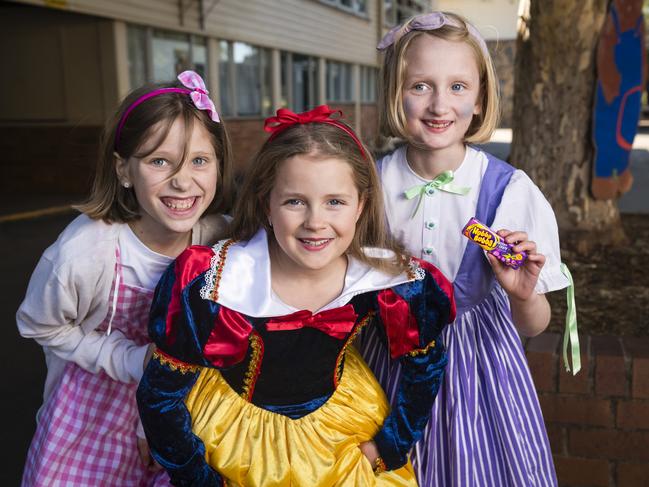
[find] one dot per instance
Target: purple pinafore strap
(475, 280)
(486, 427)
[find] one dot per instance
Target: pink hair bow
(194, 82)
(431, 21)
(194, 87)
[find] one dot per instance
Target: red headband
(285, 118)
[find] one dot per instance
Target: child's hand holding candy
(518, 283)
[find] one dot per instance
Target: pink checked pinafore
(86, 430)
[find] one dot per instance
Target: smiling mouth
(312, 242)
(179, 204)
(437, 124)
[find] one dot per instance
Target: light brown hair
(326, 141)
(109, 200)
(392, 119)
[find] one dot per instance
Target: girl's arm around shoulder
(414, 315)
(68, 298)
(211, 228)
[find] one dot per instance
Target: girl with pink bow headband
(163, 177)
(439, 95)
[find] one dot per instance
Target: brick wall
(598, 420)
(247, 136)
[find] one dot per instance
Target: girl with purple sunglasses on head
(164, 165)
(440, 96)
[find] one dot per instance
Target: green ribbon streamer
(443, 182)
(570, 334)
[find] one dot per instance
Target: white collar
(245, 284)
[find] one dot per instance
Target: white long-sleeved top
(68, 297)
(434, 231)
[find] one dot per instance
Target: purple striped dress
(486, 427)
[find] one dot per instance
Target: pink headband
(195, 88)
(285, 118)
(431, 21)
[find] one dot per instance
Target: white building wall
(495, 19)
(305, 26)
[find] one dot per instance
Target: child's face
(441, 91)
(313, 208)
(172, 203)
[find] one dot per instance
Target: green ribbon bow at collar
(443, 182)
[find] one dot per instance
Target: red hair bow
(285, 118)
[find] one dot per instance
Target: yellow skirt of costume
(250, 446)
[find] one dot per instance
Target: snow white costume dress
(247, 390)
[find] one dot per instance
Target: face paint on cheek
(409, 107)
(466, 111)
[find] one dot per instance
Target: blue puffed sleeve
(413, 315)
(179, 325)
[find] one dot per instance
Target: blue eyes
(160, 162)
(422, 87)
(297, 202)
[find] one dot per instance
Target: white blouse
(434, 232)
(141, 266)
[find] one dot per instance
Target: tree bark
(553, 106)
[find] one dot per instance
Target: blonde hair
(318, 140)
(108, 199)
(392, 119)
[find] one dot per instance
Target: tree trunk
(553, 106)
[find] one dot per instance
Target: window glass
(285, 77)
(368, 84)
(137, 47)
(356, 6)
(339, 82)
(170, 55)
(225, 87)
(199, 56)
(304, 79)
(246, 62)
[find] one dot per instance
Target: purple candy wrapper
(489, 240)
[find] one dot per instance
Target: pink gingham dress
(86, 431)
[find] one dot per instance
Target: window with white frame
(244, 79)
(398, 11)
(299, 79)
(160, 55)
(358, 7)
(339, 82)
(369, 76)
